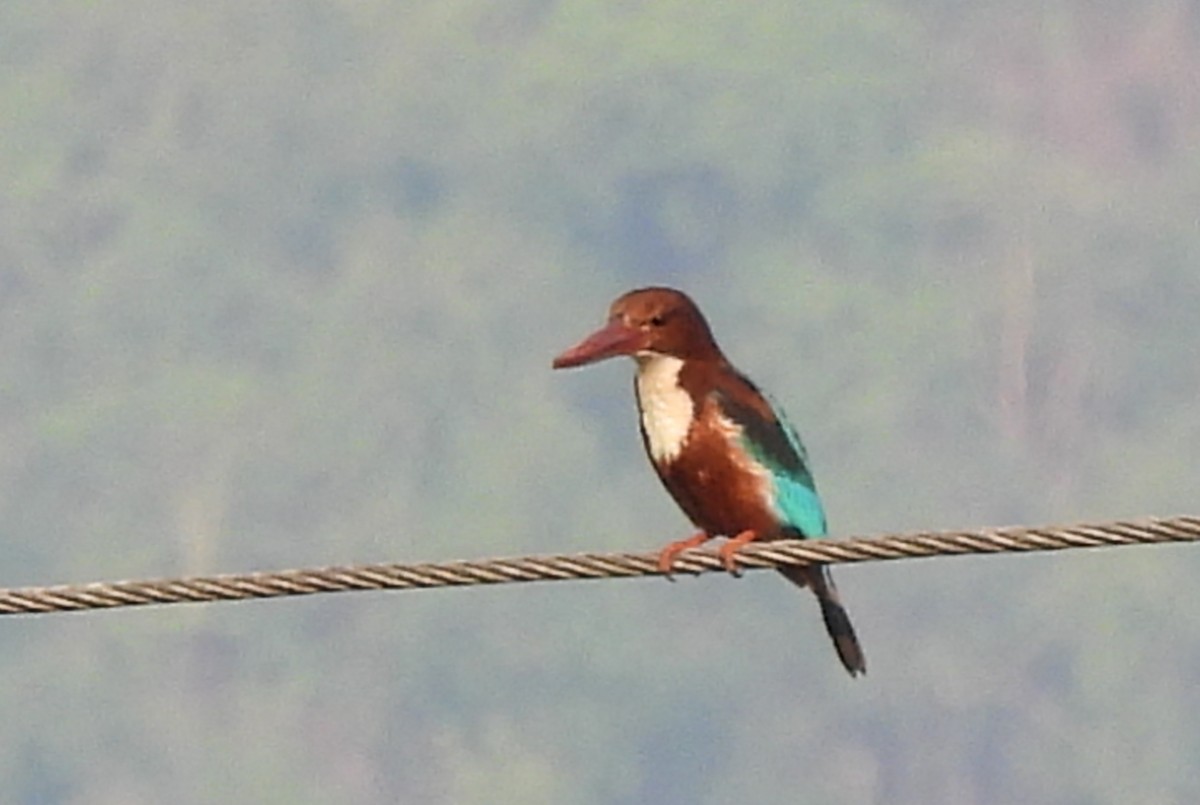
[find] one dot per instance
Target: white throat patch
(665, 407)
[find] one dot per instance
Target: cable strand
(888, 547)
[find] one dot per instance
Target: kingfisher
(724, 451)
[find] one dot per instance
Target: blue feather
(799, 506)
(796, 500)
(775, 445)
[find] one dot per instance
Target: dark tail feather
(837, 621)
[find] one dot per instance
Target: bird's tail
(837, 621)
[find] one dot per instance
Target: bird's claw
(729, 561)
(668, 555)
(728, 552)
(666, 561)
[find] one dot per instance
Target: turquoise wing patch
(775, 444)
(799, 505)
(798, 497)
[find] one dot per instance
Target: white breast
(666, 408)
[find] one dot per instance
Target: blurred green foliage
(280, 283)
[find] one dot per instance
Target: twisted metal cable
(235, 587)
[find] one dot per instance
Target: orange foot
(666, 557)
(732, 547)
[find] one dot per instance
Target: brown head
(654, 321)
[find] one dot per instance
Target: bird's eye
(657, 321)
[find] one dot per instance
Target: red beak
(611, 340)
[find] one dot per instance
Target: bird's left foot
(729, 550)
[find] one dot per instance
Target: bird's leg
(730, 548)
(666, 557)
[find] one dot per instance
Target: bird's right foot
(667, 556)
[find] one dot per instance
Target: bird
(724, 451)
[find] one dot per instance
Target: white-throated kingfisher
(728, 456)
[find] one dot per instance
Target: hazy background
(280, 283)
